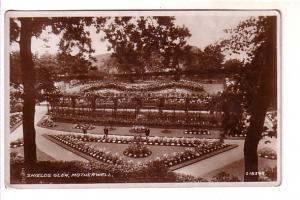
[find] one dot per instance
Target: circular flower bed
(138, 150)
(17, 143)
(267, 153)
(80, 126)
(166, 131)
(111, 128)
(137, 129)
(47, 122)
(197, 132)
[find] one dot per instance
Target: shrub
(271, 173)
(267, 153)
(225, 177)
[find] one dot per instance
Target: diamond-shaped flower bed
(108, 152)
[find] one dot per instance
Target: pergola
(172, 108)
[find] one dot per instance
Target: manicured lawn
(68, 127)
(213, 88)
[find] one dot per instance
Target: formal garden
(152, 109)
(113, 130)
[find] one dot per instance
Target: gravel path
(55, 151)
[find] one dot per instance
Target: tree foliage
(211, 57)
(253, 37)
(73, 65)
(143, 44)
(15, 68)
(74, 36)
(233, 65)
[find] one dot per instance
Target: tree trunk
(267, 91)
(28, 78)
(252, 139)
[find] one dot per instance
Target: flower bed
(135, 173)
(98, 154)
(203, 148)
(272, 116)
(48, 123)
(165, 121)
(225, 177)
(197, 132)
(15, 119)
(137, 150)
(166, 131)
(158, 141)
(271, 173)
(267, 153)
(137, 129)
(111, 128)
(237, 135)
(191, 153)
(17, 143)
(80, 126)
(144, 88)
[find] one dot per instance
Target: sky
(205, 30)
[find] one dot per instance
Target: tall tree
(211, 57)
(22, 30)
(73, 65)
(233, 65)
(46, 68)
(257, 37)
(151, 43)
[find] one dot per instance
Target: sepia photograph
(173, 97)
